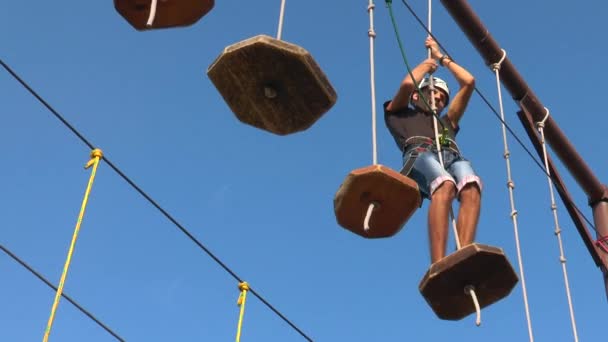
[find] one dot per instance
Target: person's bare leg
(468, 214)
(439, 210)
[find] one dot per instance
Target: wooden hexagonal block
(395, 195)
(272, 85)
(169, 13)
(483, 267)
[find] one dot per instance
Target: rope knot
(244, 286)
(96, 154)
(496, 66)
(541, 124)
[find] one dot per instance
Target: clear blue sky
(264, 203)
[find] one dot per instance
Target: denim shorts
(426, 170)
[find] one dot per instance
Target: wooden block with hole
(397, 198)
(169, 13)
(483, 267)
(272, 85)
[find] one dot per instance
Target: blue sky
(264, 203)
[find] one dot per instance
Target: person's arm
(465, 80)
(407, 87)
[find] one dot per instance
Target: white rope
(372, 80)
(372, 35)
(152, 14)
(368, 215)
(281, 16)
(429, 20)
(562, 258)
(470, 290)
(496, 68)
(440, 154)
(435, 124)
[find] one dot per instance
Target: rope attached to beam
(511, 186)
(558, 232)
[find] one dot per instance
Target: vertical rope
(281, 16)
(372, 35)
(468, 289)
(372, 80)
(562, 258)
(432, 88)
(511, 186)
(243, 287)
(429, 20)
(152, 14)
(96, 156)
(435, 124)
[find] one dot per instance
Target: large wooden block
(169, 13)
(483, 267)
(272, 85)
(395, 195)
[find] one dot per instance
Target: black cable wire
(519, 141)
(64, 295)
(150, 199)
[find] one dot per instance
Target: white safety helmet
(438, 83)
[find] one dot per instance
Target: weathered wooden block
(484, 267)
(395, 195)
(169, 13)
(272, 85)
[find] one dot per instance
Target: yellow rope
(243, 287)
(96, 155)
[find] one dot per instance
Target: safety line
(151, 201)
(64, 295)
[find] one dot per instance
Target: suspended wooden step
(484, 268)
(168, 13)
(394, 197)
(272, 85)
